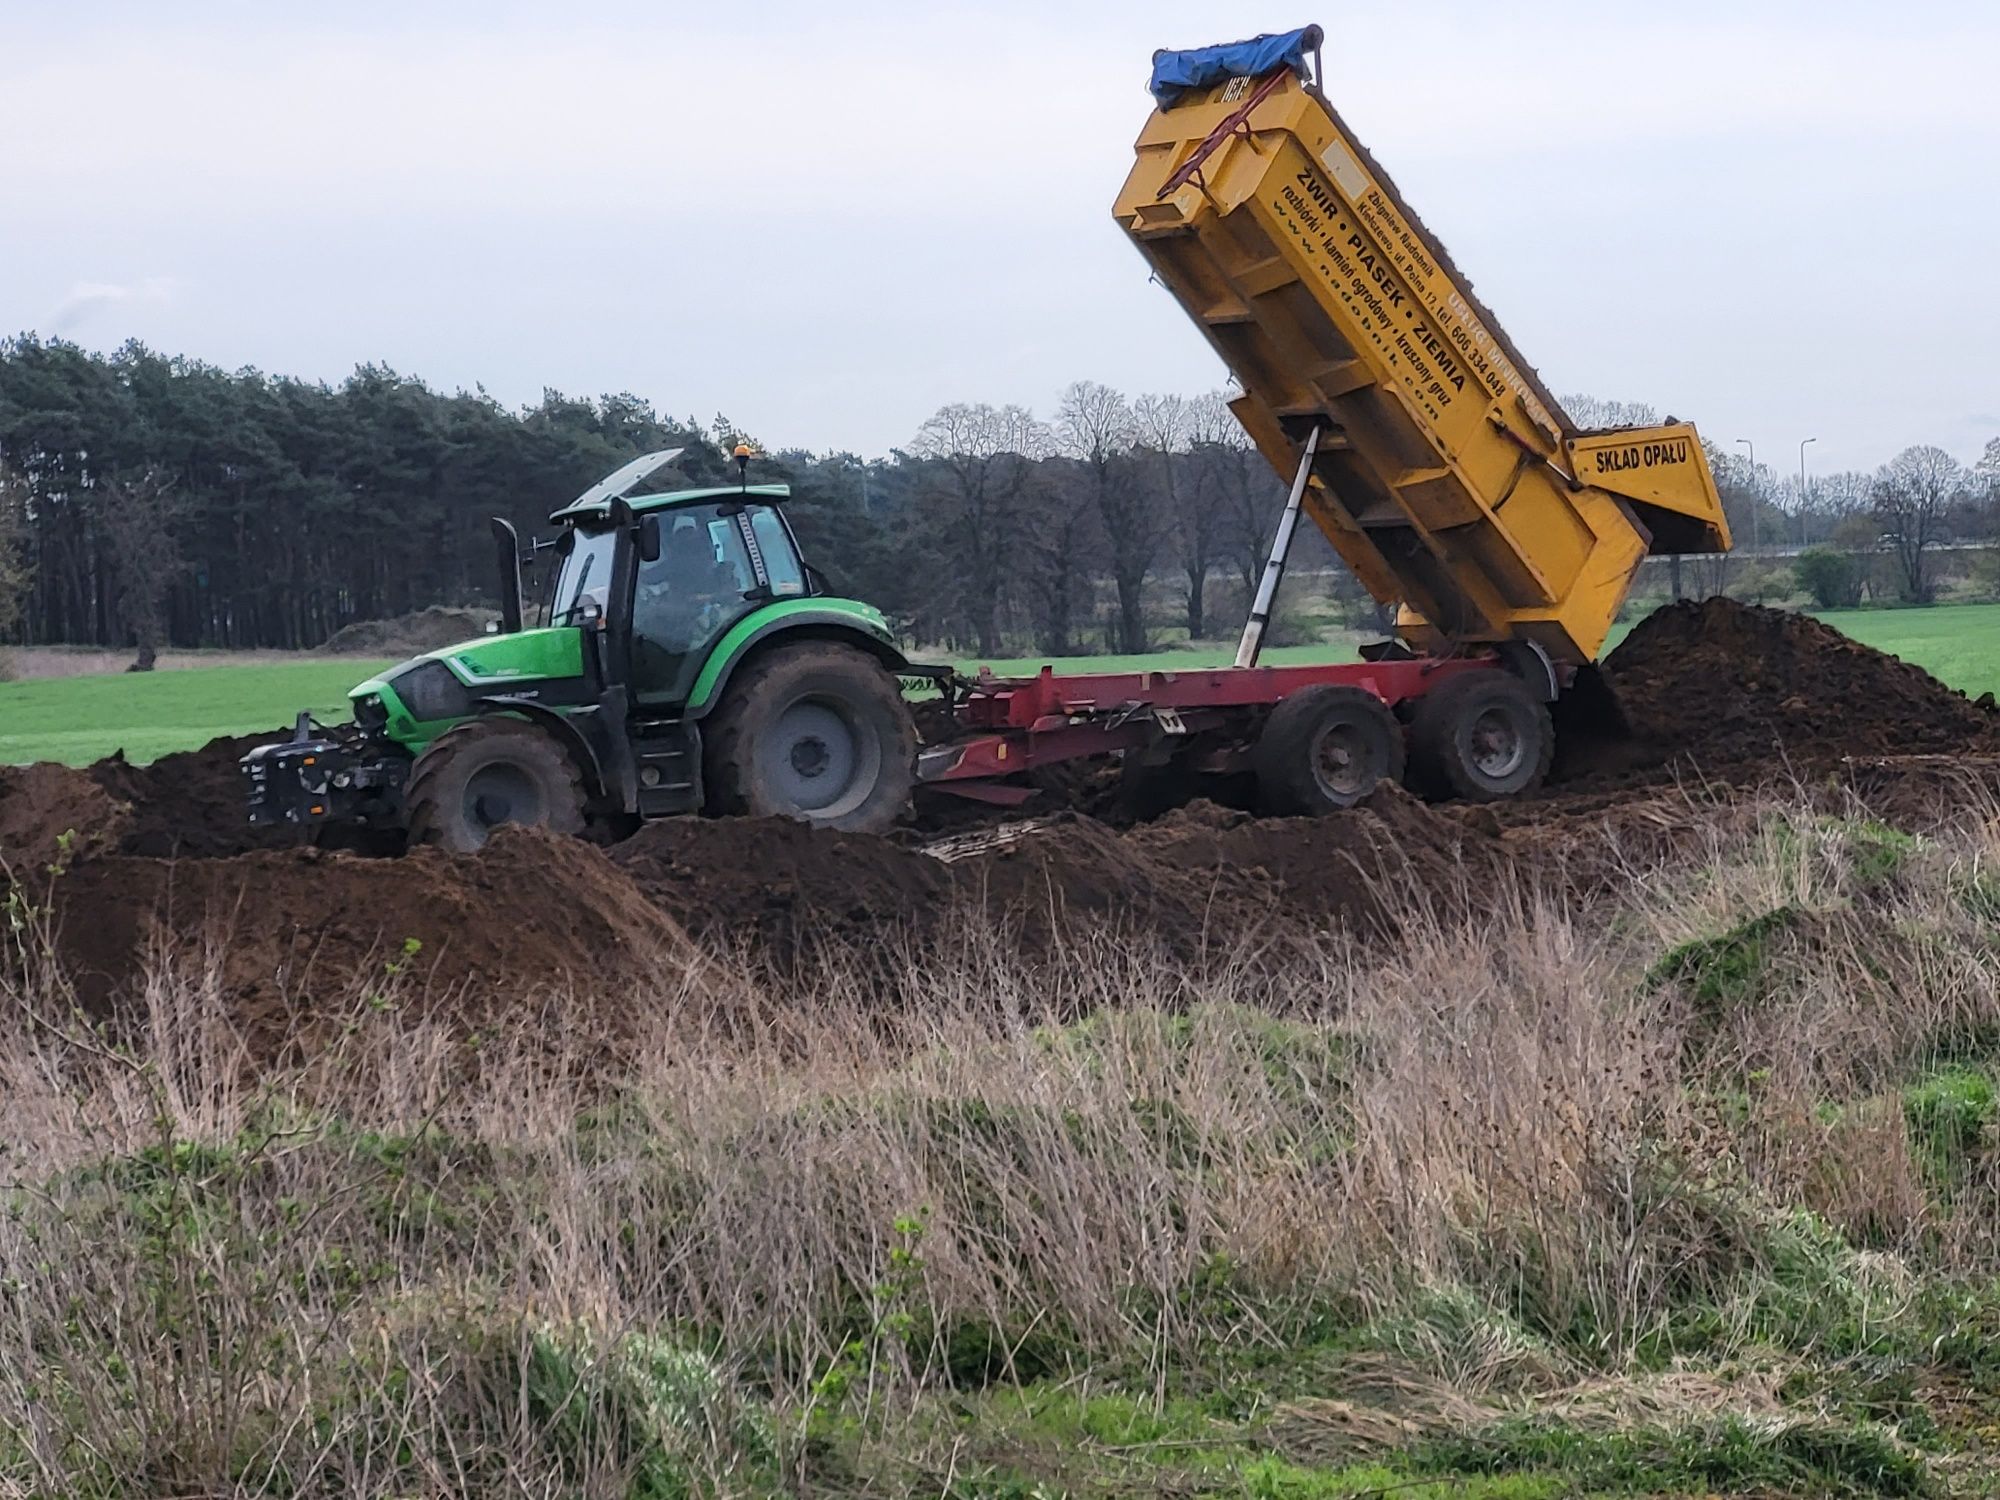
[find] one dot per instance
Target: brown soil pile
(51, 813)
(779, 884)
(299, 926)
(1365, 870)
(1729, 690)
(412, 634)
(1199, 879)
(189, 805)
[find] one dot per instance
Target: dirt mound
(1070, 870)
(51, 813)
(789, 891)
(288, 929)
(783, 885)
(1199, 878)
(1721, 688)
(1365, 869)
(411, 634)
(189, 804)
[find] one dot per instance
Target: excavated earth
(127, 864)
(1732, 692)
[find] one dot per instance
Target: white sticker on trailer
(1347, 173)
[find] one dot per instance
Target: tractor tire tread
(728, 755)
(424, 814)
(1439, 771)
(1283, 755)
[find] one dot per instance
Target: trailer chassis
(1223, 718)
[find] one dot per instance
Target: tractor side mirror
(649, 539)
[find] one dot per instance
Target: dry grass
(1517, 1157)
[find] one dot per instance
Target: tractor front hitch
(324, 774)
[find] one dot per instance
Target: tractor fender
(741, 644)
(562, 726)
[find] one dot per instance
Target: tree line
(1877, 533)
(149, 501)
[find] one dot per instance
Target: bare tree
(1987, 471)
(1244, 495)
(1912, 494)
(1095, 428)
(1751, 499)
(981, 459)
(140, 520)
(1593, 411)
(1844, 493)
(1059, 540)
(1707, 575)
(1827, 500)
(1169, 429)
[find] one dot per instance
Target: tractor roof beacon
(684, 656)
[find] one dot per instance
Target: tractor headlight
(430, 691)
(371, 713)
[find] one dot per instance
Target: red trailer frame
(1021, 724)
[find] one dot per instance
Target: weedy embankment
(1686, 1186)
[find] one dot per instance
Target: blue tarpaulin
(1174, 73)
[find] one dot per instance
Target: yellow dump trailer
(1446, 475)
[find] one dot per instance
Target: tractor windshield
(583, 581)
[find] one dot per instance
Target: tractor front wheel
(485, 772)
(815, 731)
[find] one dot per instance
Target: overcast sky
(1781, 220)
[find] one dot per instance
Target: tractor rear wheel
(816, 731)
(483, 773)
(1326, 747)
(1481, 736)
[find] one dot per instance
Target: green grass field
(1957, 643)
(79, 719)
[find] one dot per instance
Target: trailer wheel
(1326, 747)
(1481, 736)
(815, 731)
(485, 772)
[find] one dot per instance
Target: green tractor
(689, 660)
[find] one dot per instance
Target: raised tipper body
(1448, 477)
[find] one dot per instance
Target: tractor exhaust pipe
(1252, 644)
(507, 552)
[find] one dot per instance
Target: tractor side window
(781, 557)
(687, 598)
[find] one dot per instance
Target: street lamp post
(1746, 443)
(1802, 489)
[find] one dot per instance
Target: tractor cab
(705, 560)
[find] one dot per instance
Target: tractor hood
(490, 660)
(415, 701)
